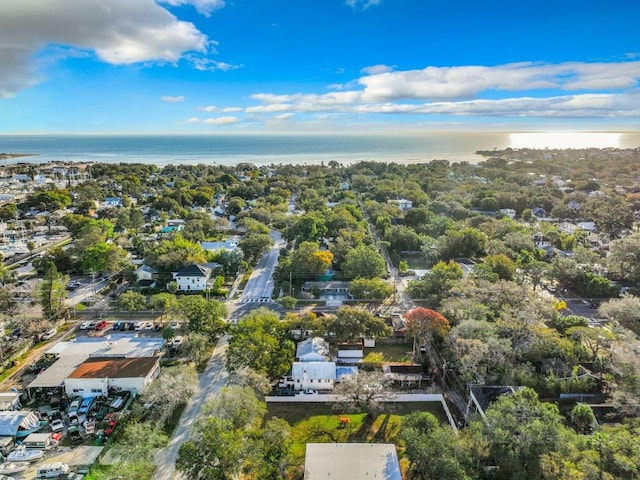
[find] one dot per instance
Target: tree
(164, 302)
(255, 246)
(370, 289)
(52, 293)
(239, 405)
(102, 257)
(423, 323)
(625, 311)
(364, 392)
(198, 346)
(436, 283)
(288, 302)
(247, 377)
(518, 431)
(308, 260)
(501, 265)
(215, 451)
(582, 418)
(468, 242)
(173, 387)
(274, 450)
(610, 213)
(202, 315)
(434, 451)
(363, 261)
(132, 301)
(352, 323)
(623, 260)
(140, 439)
(260, 342)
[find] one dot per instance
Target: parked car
(157, 327)
(131, 326)
(138, 326)
(148, 326)
(116, 326)
(56, 425)
(91, 326)
(86, 405)
(84, 326)
(175, 325)
(177, 341)
(73, 285)
(101, 325)
(49, 334)
(74, 405)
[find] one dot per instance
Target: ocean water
(295, 149)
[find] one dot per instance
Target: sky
(223, 66)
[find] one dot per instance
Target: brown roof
(115, 367)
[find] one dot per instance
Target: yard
(319, 423)
(391, 352)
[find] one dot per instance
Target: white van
(52, 470)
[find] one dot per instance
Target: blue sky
(197, 66)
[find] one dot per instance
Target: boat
(21, 454)
(13, 467)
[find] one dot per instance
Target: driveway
(214, 377)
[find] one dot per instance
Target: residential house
(351, 461)
(226, 246)
(146, 276)
(314, 349)
(404, 204)
(98, 375)
(350, 353)
(313, 375)
(111, 202)
(193, 278)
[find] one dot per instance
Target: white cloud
(376, 69)
(231, 109)
(170, 99)
(221, 120)
(118, 32)
(213, 121)
(361, 4)
(579, 90)
(440, 83)
(208, 65)
(285, 116)
(209, 108)
(205, 7)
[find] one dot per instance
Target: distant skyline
(260, 66)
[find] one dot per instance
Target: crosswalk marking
(256, 300)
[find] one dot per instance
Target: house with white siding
(194, 278)
(313, 375)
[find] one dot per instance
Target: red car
(101, 324)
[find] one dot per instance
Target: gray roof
(351, 461)
(310, 346)
(193, 271)
(313, 370)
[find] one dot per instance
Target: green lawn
(392, 352)
(319, 423)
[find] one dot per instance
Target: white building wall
(85, 386)
(190, 284)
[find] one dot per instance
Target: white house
(96, 375)
(403, 203)
(313, 375)
(112, 202)
(194, 278)
(314, 349)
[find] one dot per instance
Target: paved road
(260, 285)
(214, 377)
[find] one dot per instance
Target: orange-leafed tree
(423, 323)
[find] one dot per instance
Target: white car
(177, 341)
(85, 325)
(138, 326)
(49, 334)
(148, 326)
(56, 425)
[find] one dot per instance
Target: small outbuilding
(314, 349)
(351, 461)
